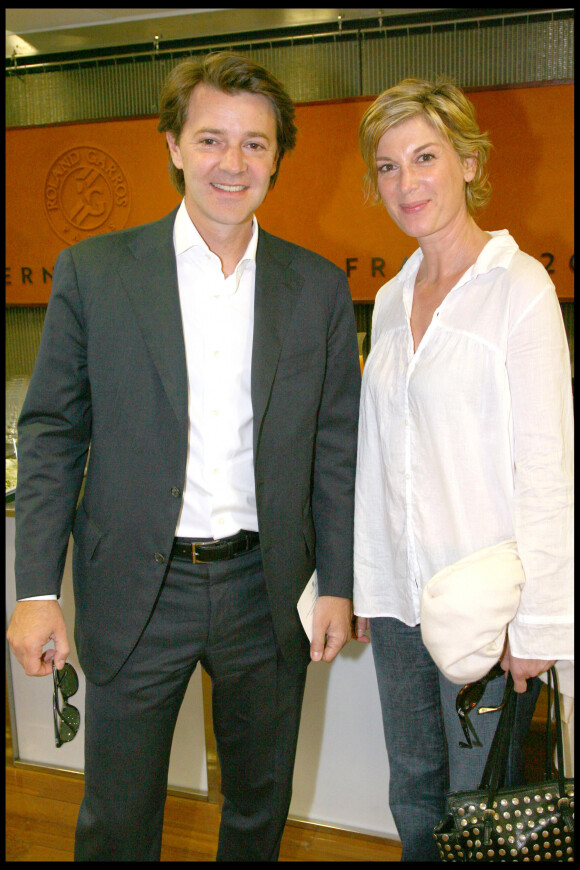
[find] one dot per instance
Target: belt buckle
(194, 556)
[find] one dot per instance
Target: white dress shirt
(218, 325)
(218, 322)
(467, 442)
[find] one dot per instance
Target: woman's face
(421, 179)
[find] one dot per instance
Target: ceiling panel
(49, 31)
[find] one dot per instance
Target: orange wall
(70, 181)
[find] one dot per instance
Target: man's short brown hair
(231, 74)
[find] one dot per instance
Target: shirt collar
(186, 236)
(497, 253)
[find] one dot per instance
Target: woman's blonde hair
(450, 112)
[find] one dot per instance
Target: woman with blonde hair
(465, 441)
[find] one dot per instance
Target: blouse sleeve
(538, 367)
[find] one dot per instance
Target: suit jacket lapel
(150, 279)
(276, 293)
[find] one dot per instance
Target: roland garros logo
(85, 193)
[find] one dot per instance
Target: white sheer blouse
(467, 442)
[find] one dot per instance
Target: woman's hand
(360, 625)
(523, 669)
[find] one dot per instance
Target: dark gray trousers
(218, 615)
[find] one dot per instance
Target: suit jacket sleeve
(54, 433)
(335, 455)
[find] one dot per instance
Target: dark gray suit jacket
(111, 374)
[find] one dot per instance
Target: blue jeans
(422, 734)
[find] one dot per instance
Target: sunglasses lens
(67, 681)
(469, 696)
(67, 720)
(70, 720)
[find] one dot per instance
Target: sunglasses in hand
(468, 697)
(67, 719)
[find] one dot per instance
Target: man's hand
(331, 626)
(33, 625)
(523, 669)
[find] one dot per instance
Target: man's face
(227, 151)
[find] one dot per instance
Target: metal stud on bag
(529, 823)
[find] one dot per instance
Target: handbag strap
(564, 800)
(552, 675)
(548, 742)
(496, 765)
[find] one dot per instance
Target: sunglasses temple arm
(467, 727)
(499, 707)
(491, 709)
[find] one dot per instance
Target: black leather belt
(213, 551)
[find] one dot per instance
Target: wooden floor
(42, 807)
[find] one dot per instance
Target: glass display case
(15, 392)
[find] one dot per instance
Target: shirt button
(159, 558)
(407, 477)
(175, 491)
(221, 521)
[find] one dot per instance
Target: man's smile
(230, 188)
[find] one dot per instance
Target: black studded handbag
(524, 823)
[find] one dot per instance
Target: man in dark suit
(212, 369)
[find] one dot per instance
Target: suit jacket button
(175, 491)
(159, 558)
